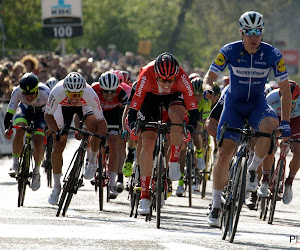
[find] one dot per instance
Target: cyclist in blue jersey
(249, 62)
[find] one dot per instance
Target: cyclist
(161, 81)
(112, 100)
(273, 99)
(51, 82)
(249, 62)
(72, 95)
(28, 102)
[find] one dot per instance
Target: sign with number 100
(62, 31)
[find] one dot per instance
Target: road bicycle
(47, 159)
(158, 182)
(234, 192)
(25, 161)
(191, 173)
(134, 189)
(276, 183)
(73, 178)
(101, 179)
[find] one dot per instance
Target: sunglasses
(166, 80)
(108, 91)
(76, 94)
(251, 32)
(29, 93)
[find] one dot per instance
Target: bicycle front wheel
(238, 196)
(99, 182)
(277, 181)
(189, 174)
(23, 175)
(48, 165)
(159, 188)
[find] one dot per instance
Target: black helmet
(29, 83)
(166, 66)
(197, 85)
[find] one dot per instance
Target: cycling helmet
(74, 82)
(251, 20)
(269, 87)
(126, 76)
(166, 66)
(295, 90)
(109, 81)
(216, 89)
(118, 74)
(197, 85)
(193, 75)
(51, 82)
(29, 83)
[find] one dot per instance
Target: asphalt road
(35, 226)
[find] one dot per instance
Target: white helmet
(109, 81)
(51, 82)
(251, 20)
(74, 82)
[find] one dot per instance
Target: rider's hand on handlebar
(8, 133)
(208, 94)
(78, 136)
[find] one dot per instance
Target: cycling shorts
(28, 114)
(234, 115)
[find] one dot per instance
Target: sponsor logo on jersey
(276, 52)
(220, 60)
(281, 66)
(262, 63)
(247, 72)
(187, 85)
(261, 55)
(140, 89)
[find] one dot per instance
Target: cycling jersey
(204, 108)
(38, 104)
(274, 100)
(120, 99)
(147, 83)
(89, 98)
(248, 75)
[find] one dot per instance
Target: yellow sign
(220, 60)
(144, 47)
(281, 66)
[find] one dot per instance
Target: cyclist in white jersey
(74, 96)
(27, 103)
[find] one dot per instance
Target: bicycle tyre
(70, 183)
(48, 165)
(24, 174)
(159, 189)
(189, 174)
(204, 180)
(278, 178)
(238, 194)
(100, 181)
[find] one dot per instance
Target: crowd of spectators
(91, 64)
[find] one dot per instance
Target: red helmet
(295, 90)
(126, 76)
(166, 66)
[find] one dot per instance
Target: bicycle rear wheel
(277, 181)
(238, 196)
(159, 189)
(23, 175)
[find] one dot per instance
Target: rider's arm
(51, 122)
(208, 80)
(286, 100)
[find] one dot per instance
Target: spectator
(31, 63)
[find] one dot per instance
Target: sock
(255, 163)
(216, 203)
(88, 153)
(93, 157)
(199, 153)
(289, 180)
(120, 177)
(16, 158)
(36, 169)
(56, 180)
(145, 181)
(180, 182)
(174, 153)
(266, 174)
(130, 155)
(112, 179)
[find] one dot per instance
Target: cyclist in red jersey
(161, 81)
(112, 100)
